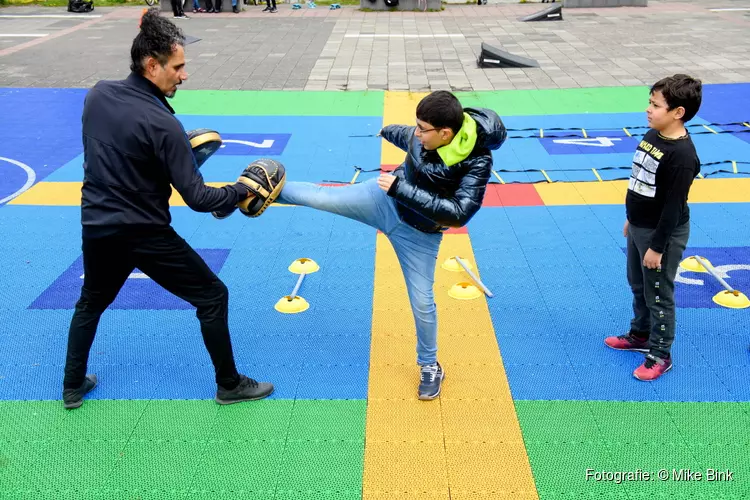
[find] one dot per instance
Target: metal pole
(712, 272)
(473, 276)
(297, 286)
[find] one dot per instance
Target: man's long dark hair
(157, 38)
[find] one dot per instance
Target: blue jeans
(416, 251)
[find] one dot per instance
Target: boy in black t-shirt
(658, 221)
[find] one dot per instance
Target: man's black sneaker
(247, 390)
(73, 398)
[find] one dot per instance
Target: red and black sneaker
(653, 368)
(628, 342)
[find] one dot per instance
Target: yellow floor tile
(51, 193)
(399, 109)
(393, 349)
(476, 382)
(559, 193)
(69, 194)
(394, 382)
(720, 191)
(404, 421)
(490, 495)
(457, 349)
(599, 193)
(488, 421)
(498, 468)
(405, 468)
(407, 495)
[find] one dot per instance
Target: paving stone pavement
(347, 49)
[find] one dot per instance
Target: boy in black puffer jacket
(441, 184)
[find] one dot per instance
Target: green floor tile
(262, 420)
(59, 466)
(101, 420)
(181, 449)
(321, 466)
(176, 421)
(318, 495)
(565, 438)
(556, 421)
(281, 103)
(623, 422)
(30, 420)
(571, 468)
(328, 421)
(712, 423)
(162, 465)
(250, 468)
(229, 495)
(560, 101)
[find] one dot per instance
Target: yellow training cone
(464, 291)
(303, 266)
(732, 300)
(289, 305)
(692, 264)
(453, 265)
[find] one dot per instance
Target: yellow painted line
(51, 193)
(546, 176)
(560, 193)
(736, 190)
(584, 133)
(627, 132)
(700, 175)
(746, 124)
(69, 194)
(498, 177)
(541, 133)
(710, 129)
(597, 174)
(354, 179)
(452, 447)
(399, 108)
(599, 193)
(734, 167)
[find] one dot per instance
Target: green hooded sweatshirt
(462, 144)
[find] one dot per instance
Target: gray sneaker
(247, 390)
(431, 379)
(73, 398)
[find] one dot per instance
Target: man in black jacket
(441, 184)
(135, 150)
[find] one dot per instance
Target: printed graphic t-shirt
(662, 173)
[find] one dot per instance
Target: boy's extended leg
(364, 202)
(417, 253)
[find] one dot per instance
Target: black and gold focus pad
(204, 142)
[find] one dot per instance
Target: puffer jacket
(432, 196)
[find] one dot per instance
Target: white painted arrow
(598, 142)
(721, 271)
(141, 276)
(267, 143)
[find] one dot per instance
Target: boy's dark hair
(157, 39)
(441, 109)
(681, 90)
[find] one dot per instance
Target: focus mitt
(205, 142)
(264, 179)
